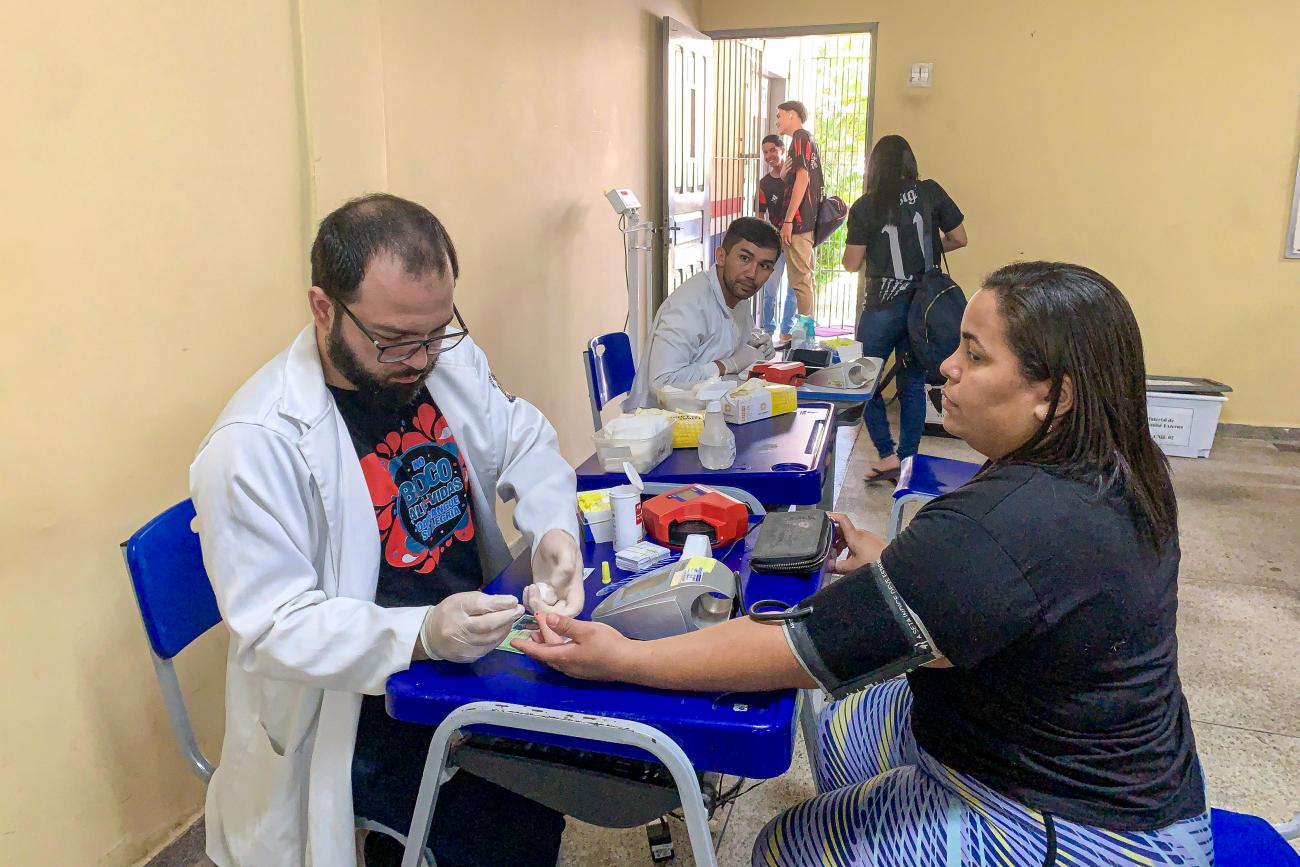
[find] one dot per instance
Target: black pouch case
(792, 543)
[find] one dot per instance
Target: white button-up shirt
(692, 329)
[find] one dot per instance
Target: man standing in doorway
(777, 306)
(803, 179)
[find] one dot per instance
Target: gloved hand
(762, 341)
(465, 626)
(743, 357)
(557, 576)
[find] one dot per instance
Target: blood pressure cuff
(860, 632)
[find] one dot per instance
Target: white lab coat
(693, 328)
(291, 546)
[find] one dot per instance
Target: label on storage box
(1170, 425)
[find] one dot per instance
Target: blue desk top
(835, 395)
(779, 460)
(746, 734)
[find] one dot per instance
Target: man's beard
(370, 388)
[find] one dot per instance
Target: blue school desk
(743, 734)
(786, 460)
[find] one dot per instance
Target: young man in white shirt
(706, 328)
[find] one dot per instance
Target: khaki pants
(799, 266)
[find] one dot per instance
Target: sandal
(882, 476)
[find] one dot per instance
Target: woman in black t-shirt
(894, 230)
(1033, 611)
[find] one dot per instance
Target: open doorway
(831, 74)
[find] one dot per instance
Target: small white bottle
(717, 447)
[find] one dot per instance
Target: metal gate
(739, 126)
(831, 75)
(716, 112)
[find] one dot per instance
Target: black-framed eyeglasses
(391, 353)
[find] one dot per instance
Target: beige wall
(517, 163)
(1153, 141)
(165, 166)
(151, 235)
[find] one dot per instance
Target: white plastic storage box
(1183, 413)
(641, 440)
(1183, 425)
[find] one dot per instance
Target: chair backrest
(610, 368)
(171, 586)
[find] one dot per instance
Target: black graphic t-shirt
(419, 487)
(804, 155)
(771, 198)
(895, 254)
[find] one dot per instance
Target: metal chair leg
(596, 407)
(895, 520)
(811, 702)
(575, 725)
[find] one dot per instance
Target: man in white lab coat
(706, 328)
(346, 499)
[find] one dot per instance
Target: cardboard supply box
(759, 400)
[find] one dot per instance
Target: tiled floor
(1238, 625)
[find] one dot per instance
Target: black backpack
(933, 326)
(934, 322)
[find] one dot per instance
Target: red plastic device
(691, 509)
(781, 372)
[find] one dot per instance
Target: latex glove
(465, 626)
(744, 356)
(762, 341)
(557, 576)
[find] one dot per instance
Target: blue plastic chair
(1241, 840)
(923, 478)
(610, 370)
(177, 605)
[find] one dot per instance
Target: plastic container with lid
(643, 441)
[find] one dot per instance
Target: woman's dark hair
(758, 232)
(351, 236)
(891, 167)
(1066, 320)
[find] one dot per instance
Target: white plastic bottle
(717, 443)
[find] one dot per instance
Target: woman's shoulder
(930, 185)
(1027, 499)
(1026, 491)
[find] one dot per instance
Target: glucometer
(690, 594)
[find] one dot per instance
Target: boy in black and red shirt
(804, 186)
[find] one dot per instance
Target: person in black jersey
(1032, 610)
(894, 230)
(804, 187)
(778, 300)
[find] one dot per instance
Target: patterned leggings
(884, 802)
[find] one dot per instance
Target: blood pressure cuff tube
(860, 632)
